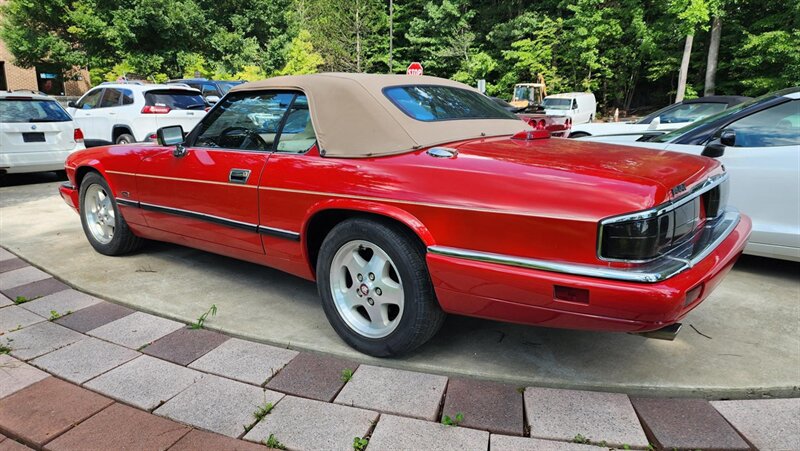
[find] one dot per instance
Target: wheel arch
(324, 217)
(120, 129)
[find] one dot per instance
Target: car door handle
(239, 176)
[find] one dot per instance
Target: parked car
(580, 107)
(36, 133)
(212, 90)
(558, 126)
(124, 113)
(406, 198)
(671, 117)
(758, 142)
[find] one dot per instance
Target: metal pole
(391, 32)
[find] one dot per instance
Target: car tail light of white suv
(155, 109)
(77, 135)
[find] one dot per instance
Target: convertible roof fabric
(352, 117)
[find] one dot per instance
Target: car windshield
(226, 86)
(175, 99)
(675, 134)
(522, 93)
(557, 104)
(440, 103)
(686, 112)
(32, 110)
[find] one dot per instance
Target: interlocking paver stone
(95, 316)
(12, 264)
(136, 330)
(485, 405)
(5, 255)
(687, 423)
(14, 317)
(11, 445)
(145, 382)
(62, 302)
(84, 359)
(394, 391)
(307, 424)
(5, 301)
(36, 289)
(394, 432)
(39, 339)
(184, 346)
(120, 427)
(769, 424)
(244, 361)
(46, 409)
(508, 443)
(16, 375)
(198, 440)
(218, 404)
(21, 276)
(312, 376)
(558, 414)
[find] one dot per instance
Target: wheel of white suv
(375, 287)
(125, 139)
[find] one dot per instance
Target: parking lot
(742, 342)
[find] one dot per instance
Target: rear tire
(104, 226)
(125, 138)
(375, 288)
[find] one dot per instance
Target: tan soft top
(352, 117)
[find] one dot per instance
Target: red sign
(414, 68)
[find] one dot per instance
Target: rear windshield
(557, 104)
(32, 110)
(441, 103)
(175, 99)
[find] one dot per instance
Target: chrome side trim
(712, 235)
(127, 202)
(280, 233)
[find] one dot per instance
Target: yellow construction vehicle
(527, 95)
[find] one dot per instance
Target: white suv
(36, 134)
(121, 113)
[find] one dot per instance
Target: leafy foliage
(626, 51)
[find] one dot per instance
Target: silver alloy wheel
(99, 212)
(366, 288)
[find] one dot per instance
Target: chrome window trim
(666, 267)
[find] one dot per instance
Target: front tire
(104, 226)
(375, 288)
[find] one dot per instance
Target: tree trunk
(713, 55)
(684, 73)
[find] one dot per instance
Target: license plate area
(33, 137)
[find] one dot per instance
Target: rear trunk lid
(31, 125)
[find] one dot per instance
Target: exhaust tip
(665, 333)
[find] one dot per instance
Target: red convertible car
(406, 198)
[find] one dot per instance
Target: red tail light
(77, 135)
(155, 109)
(541, 124)
(528, 135)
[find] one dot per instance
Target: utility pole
(391, 32)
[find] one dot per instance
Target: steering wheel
(251, 137)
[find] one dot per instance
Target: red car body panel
(538, 199)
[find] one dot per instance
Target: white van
(580, 107)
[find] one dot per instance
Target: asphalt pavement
(744, 341)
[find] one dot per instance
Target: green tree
(443, 36)
(302, 58)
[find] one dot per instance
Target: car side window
(90, 100)
(297, 135)
(127, 96)
(574, 104)
(111, 98)
(772, 127)
(243, 121)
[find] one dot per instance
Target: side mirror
(212, 99)
(72, 104)
(172, 136)
(654, 123)
(727, 138)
